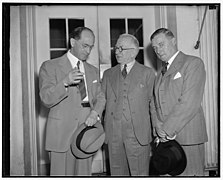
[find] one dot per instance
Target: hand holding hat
(169, 158)
(92, 118)
(87, 140)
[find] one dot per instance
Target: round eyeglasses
(120, 49)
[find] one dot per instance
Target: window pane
(57, 33)
(117, 27)
(113, 58)
(135, 28)
(140, 57)
(74, 23)
(55, 54)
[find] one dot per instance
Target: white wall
(16, 117)
(187, 29)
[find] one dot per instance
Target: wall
(16, 117)
(187, 29)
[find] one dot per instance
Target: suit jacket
(139, 96)
(65, 104)
(177, 101)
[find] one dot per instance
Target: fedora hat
(169, 158)
(87, 140)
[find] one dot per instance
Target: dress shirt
(171, 59)
(73, 60)
(129, 66)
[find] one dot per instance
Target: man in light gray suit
(177, 112)
(70, 88)
(128, 90)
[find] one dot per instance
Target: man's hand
(161, 134)
(73, 77)
(92, 118)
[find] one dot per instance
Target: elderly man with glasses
(128, 90)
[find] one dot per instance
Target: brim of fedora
(182, 165)
(93, 147)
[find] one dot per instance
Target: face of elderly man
(126, 49)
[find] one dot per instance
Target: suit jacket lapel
(135, 75)
(89, 79)
(65, 64)
(175, 65)
(114, 79)
(157, 83)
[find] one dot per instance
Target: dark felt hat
(87, 140)
(169, 158)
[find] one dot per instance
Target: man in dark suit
(70, 88)
(177, 112)
(128, 90)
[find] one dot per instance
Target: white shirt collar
(129, 66)
(171, 59)
(73, 60)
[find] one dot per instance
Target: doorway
(53, 25)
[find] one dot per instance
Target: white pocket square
(95, 81)
(178, 75)
(141, 85)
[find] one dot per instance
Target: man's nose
(88, 49)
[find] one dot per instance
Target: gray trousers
(126, 156)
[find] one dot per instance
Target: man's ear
(174, 41)
(72, 42)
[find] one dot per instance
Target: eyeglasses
(120, 49)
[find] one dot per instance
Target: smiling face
(82, 48)
(164, 46)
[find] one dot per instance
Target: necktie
(81, 85)
(124, 71)
(164, 68)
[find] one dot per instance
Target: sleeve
(189, 102)
(100, 99)
(51, 91)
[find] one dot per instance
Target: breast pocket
(175, 88)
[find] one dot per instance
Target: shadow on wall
(41, 117)
(153, 60)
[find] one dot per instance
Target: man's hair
(165, 31)
(76, 33)
(133, 39)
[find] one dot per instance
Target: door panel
(53, 24)
(107, 22)
(126, 17)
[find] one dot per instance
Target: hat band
(79, 138)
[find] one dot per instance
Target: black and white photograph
(111, 89)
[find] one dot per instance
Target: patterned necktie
(124, 71)
(81, 85)
(164, 68)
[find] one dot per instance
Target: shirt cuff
(171, 138)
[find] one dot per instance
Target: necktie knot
(164, 68)
(124, 71)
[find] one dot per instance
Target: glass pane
(74, 23)
(117, 27)
(113, 59)
(140, 57)
(57, 33)
(135, 28)
(55, 54)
